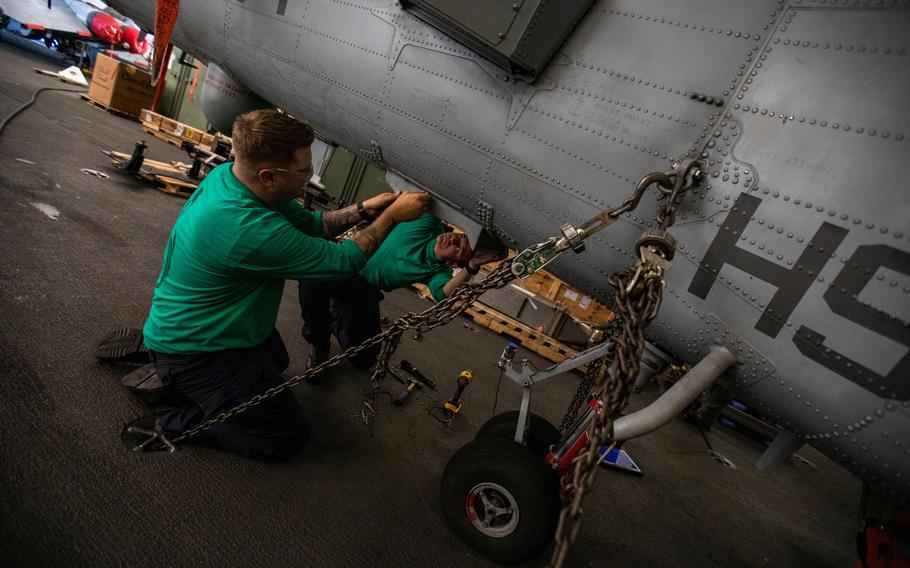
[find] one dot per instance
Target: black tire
(503, 474)
(541, 434)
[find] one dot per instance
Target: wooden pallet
(152, 172)
(175, 132)
(150, 118)
(531, 339)
(118, 158)
(161, 135)
(175, 186)
(111, 110)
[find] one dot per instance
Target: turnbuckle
(536, 257)
(684, 175)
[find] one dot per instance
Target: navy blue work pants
(274, 429)
(347, 309)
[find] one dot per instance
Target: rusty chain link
(433, 317)
(639, 292)
(389, 345)
(592, 372)
(637, 306)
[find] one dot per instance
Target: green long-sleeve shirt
(407, 257)
(225, 264)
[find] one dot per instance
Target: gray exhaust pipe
(675, 400)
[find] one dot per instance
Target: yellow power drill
(453, 406)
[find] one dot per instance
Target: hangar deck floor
(73, 495)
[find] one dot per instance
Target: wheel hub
(492, 509)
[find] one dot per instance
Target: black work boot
(124, 346)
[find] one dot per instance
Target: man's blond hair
(269, 137)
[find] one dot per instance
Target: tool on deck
(397, 376)
(410, 386)
(404, 365)
(453, 406)
(508, 354)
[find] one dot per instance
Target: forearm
(370, 238)
(336, 222)
(457, 280)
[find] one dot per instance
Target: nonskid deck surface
(79, 258)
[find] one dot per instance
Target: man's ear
(266, 177)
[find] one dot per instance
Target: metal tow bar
(537, 256)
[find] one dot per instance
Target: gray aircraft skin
(795, 250)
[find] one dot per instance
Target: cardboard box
(120, 86)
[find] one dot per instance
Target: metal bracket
(526, 378)
(374, 154)
(484, 213)
(136, 160)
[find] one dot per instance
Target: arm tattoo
(370, 238)
(336, 222)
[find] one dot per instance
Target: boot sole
(123, 345)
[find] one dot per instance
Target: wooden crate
(562, 296)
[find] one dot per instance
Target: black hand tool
(406, 366)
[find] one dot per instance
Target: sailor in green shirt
(211, 329)
(418, 251)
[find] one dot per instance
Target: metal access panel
(348, 178)
(521, 36)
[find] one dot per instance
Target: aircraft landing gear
(540, 437)
(501, 492)
(501, 499)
